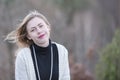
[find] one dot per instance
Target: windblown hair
(19, 35)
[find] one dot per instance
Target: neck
(45, 44)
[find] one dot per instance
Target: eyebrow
(32, 27)
(37, 25)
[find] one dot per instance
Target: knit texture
(24, 68)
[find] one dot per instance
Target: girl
(39, 58)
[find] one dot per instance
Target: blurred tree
(71, 6)
(109, 63)
(93, 27)
(8, 2)
(8, 19)
(112, 8)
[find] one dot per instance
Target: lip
(41, 36)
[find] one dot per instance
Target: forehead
(35, 21)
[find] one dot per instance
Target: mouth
(41, 36)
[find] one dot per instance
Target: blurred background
(89, 29)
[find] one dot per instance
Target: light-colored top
(24, 67)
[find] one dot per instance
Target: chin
(44, 40)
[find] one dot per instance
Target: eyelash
(32, 30)
(40, 26)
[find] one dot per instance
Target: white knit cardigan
(24, 68)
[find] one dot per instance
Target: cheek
(31, 36)
(48, 30)
(28, 36)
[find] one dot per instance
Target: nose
(39, 30)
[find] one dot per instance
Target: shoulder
(62, 50)
(23, 52)
(60, 46)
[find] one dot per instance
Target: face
(38, 31)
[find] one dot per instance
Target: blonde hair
(19, 35)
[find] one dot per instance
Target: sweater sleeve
(66, 73)
(20, 67)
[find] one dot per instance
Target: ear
(28, 37)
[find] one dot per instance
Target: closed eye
(32, 30)
(40, 25)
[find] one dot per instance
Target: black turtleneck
(43, 55)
